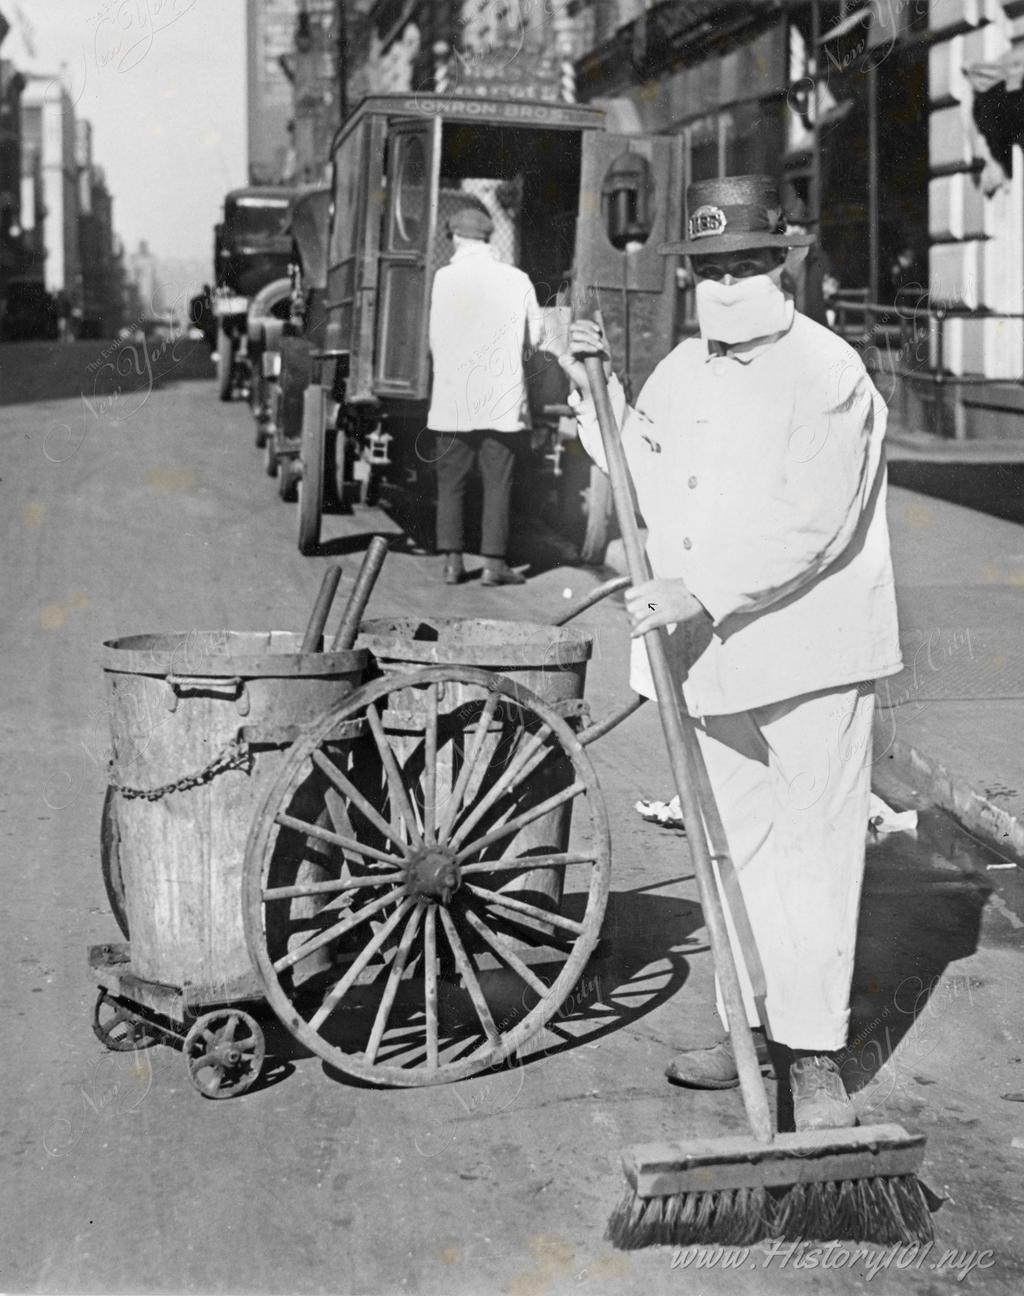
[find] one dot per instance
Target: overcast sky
(163, 83)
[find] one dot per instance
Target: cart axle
(432, 874)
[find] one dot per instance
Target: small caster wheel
(287, 480)
(119, 1030)
(224, 1053)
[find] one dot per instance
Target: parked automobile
(29, 311)
(252, 248)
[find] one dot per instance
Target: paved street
(140, 505)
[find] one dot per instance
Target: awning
(1007, 70)
(872, 25)
(848, 24)
(998, 114)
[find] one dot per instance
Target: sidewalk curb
(926, 776)
(993, 824)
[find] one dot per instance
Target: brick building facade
(896, 126)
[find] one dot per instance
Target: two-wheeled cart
(402, 849)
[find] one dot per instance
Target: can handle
(233, 687)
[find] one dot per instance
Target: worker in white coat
(757, 454)
(483, 315)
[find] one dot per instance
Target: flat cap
(471, 222)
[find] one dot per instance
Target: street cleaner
(756, 452)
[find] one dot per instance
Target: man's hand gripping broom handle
(684, 756)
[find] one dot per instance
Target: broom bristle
(883, 1210)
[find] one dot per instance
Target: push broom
(823, 1184)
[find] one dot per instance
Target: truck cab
(252, 248)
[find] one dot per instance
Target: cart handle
(598, 593)
(602, 727)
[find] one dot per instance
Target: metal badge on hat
(707, 221)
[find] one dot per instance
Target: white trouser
(793, 781)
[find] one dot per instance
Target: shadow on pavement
(532, 543)
(339, 546)
(635, 969)
(995, 489)
(921, 911)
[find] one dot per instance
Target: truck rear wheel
(225, 363)
(311, 483)
(599, 512)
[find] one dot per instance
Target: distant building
(179, 280)
(101, 270)
(312, 67)
(270, 36)
(12, 252)
(48, 132)
(101, 286)
(33, 208)
(465, 47)
(144, 274)
(131, 304)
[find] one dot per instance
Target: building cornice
(673, 34)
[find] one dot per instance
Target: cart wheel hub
(433, 874)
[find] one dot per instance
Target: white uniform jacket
(482, 314)
(761, 476)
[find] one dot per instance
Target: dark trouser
(456, 453)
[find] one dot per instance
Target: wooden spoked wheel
(225, 363)
(410, 900)
(287, 479)
(599, 516)
(224, 1052)
(118, 1029)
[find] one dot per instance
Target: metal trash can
(200, 722)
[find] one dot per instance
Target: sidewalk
(949, 726)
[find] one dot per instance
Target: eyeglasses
(738, 269)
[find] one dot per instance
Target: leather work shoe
(454, 572)
(820, 1100)
(715, 1067)
(503, 575)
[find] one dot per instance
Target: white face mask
(744, 310)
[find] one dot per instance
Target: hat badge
(707, 221)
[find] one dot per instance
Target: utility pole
(342, 46)
(815, 195)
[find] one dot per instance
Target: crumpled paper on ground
(882, 818)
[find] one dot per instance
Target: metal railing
(913, 325)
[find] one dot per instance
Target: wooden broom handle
(684, 756)
(373, 561)
(318, 617)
